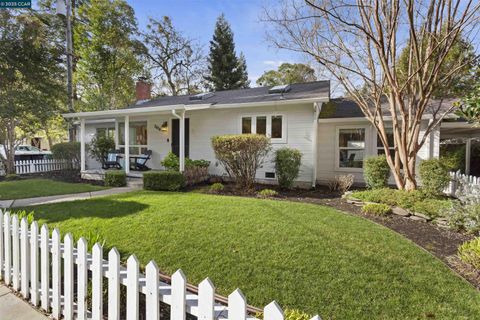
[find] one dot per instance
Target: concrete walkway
(14, 308)
(5, 204)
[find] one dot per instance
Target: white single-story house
(332, 134)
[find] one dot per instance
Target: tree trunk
(10, 149)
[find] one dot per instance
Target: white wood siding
(207, 123)
(327, 149)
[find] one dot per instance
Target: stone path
(5, 204)
(14, 308)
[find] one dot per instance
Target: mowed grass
(30, 188)
(304, 256)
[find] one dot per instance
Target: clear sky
(196, 18)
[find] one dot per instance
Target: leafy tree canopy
(287, 73)
(226, 70)
(31, 76)
(108, 54)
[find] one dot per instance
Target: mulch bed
(440, 242)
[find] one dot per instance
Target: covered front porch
(461, 141)
(136, 132)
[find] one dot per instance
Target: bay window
(138, 137)
(350, 147)
(272, 126)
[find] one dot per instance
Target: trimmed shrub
(434, 176)
(100, 146)
(216, 187)
(171, 162)
(163, 180)
(341, 183)
(469, 252)
(241, 156)
(115, 178)
(67, 151)
(287, 166)
(267, 193)
(377, 209)
(376, 172)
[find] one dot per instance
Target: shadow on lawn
(92, 208)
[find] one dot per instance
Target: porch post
(182, 142)
(116, 135)
(468, 151)
(82, 145)
(127, 145)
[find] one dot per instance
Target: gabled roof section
(298, 91)
(347, 108)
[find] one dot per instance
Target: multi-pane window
(351, 147)
(108, 132)
(269, 125)
(391, 143)
(137, 137)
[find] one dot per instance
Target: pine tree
(226, 70)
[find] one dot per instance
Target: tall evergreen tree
(226, 70)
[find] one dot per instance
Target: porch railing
(67, 281)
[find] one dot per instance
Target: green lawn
(29, 188)
(305, 256)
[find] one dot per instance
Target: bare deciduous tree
(360, 42)
(176, 60)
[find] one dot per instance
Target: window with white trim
(106, 132)
(138, 137)
(272, 126)
(351, 147)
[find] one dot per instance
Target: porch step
(135, 182)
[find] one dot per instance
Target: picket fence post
(152, 296)
(82, 274)
(132, 288)
(2, 260)
(7, 243)
(206, 300)
(179, 285)
(34, 262)
(97, 282)
(25, 261)
(68, 277)
(45, 266)
(237, 306)
(114, 284)
(56, 269)
(15, 253)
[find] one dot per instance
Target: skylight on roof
(202, 96)
(279, 89)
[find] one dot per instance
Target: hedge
(163, 180)
(115, 178)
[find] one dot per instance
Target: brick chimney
(143, 89)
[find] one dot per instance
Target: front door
(176, 137)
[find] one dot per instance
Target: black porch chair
(113, 160)
(141, 162)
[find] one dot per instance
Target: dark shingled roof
(316, 89)
(347, 108)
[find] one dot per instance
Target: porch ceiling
(459, 132)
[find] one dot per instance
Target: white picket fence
(462, 185)
(43, 165)
(55, 277)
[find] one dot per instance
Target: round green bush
(163, 180)
(287, 166)
(376, 172)
(434, 176)
(217, 187)
(66, 151)
(267, 193)
(377, 209)
(115, 178)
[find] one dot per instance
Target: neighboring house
(332, 134)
